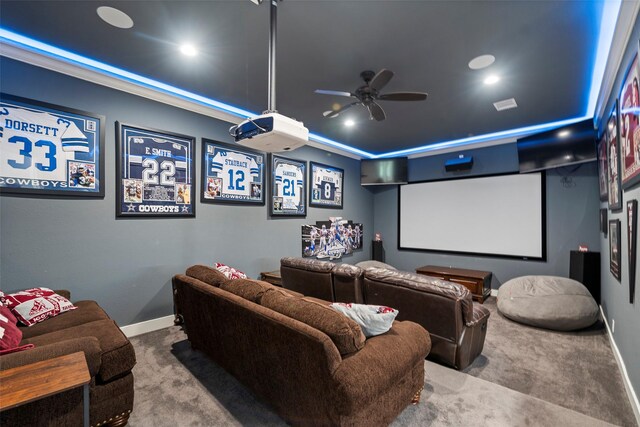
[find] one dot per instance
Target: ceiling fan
(369, 93)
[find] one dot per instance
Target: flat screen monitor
(383, 171)
(565, 146)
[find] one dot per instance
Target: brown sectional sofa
(312, 364)
(110, 359)
(456, 324)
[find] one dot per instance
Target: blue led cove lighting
(608, 19)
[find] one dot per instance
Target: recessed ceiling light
(188, 49)
(505, 104)
(349, 123)
(482, 61)
(492, 79)
(115, 17)
(563, 133)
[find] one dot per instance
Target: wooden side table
(29, 383)
(478, 282)
(272, 277)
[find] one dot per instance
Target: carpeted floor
(576, 370)
(525, 377)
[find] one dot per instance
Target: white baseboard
(633, 397)
(494, 292)
(148, 326)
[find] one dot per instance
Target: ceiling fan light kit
(367, 95)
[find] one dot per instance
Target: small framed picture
(613, 167)
(632, 222)
(614, 248)
(326, 186)
(602, 167)
(155, 173)
(50, 150)
(603, 221)
(629, 127)
(288, 190)
(231, 174)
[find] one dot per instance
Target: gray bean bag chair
(375, 264)
(549, 302)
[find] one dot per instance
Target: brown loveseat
(110, 358)
(312, 364)
(456, 324)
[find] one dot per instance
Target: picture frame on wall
(288, 189)
(155, 173)
(326, 186)
(614, 248)
(231, 174)
(613, 163)
(602, 167)
(629, 127)
(603, 221)
(632, 222)
(50, 150)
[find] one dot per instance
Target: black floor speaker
(377, 251)
(585, 268)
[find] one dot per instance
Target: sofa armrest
(478, 315)
(380, 364)
(63, 293)
(89, 345)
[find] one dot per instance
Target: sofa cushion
(86, 311)
(206, 274)
(373, 319)
(36, 304)
(375, 264)
(249, 289)
(117, 354)
(344, 332)
(230, 272)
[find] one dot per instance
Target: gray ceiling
(544, 52)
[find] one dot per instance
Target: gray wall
(571, 210)
(127, 265)
(615, 294)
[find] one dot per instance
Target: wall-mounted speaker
(460, 163)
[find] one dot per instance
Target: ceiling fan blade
(333, 92)
(376, 111)
(403, 96)
(381, 79)
(334, 113)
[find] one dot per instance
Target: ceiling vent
(506, 104)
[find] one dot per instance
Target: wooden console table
(478, 282)
(272, 277)
(29, 383)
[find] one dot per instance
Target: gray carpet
(576, 370)
(177, 386)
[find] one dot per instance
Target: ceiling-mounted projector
(271, 132)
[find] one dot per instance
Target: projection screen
(498, 215)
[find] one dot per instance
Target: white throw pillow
(373, 319)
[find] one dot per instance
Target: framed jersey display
(47, 149)
(231, 174)
(613, 157)
(630, 127)
(155, 173)
(288, 196)
(326, 184)
(602, 167)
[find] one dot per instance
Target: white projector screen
(498, 215)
